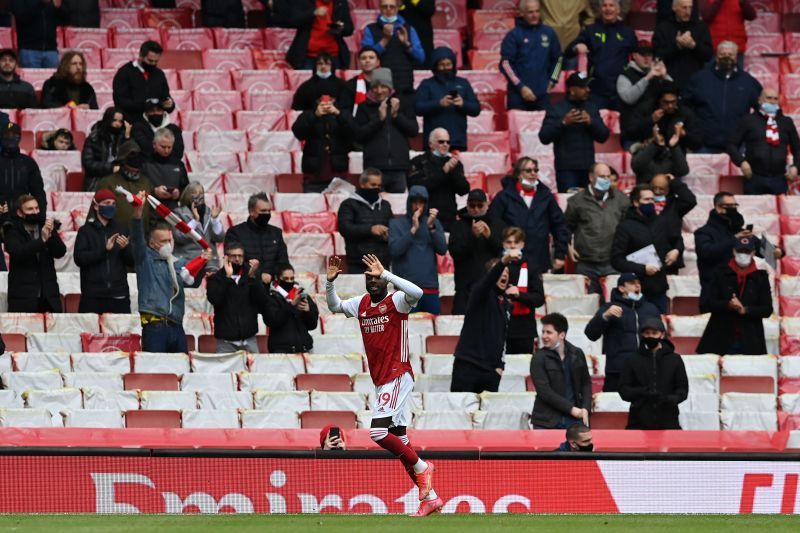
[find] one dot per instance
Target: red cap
(104, 194)
(323, 434)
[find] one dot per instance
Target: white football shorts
(394, 399)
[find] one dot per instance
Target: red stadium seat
(450, 14)
(262, 341)
(187, 39)
(45, 119)
(278, 39)
(324, 382)
(15, 342)
(273, 141)
(36, 76)
(71, 302)
(251, 80)
(441, 344)
(685, 345)
(497, 20)
(225, 101)
(136, 381)
(451, 38)
(114, 58)
(205, 80)
(167, 18)
(227, 59)
(133, 38)
(86, 37)
(206, 344)
(497, 141)
(320, 419)
(269, 59)
(75, 181)
(767, 43)
(7, 38)
(153, 418)
(212, 120)
(608, 420)
(753, 384)
(267, 100)
(221, 141)
(291, 183)
(294, 222)
(480, 60)
(235, 38)
(119, 18)
(181, 59)
(685, 305)
(261, 121)
(488, 41)
(96, 342)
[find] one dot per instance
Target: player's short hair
(557, 320)
(254, 199)
(576, 430)
(514, 231)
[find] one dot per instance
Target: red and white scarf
(289, 296)
(361, 91)
(521, 309)
(773, 136)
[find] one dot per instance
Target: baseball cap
(577, 79)
(644, 47)
(745, 243)
(476, 195)
(625, 277)
(653, 323)
(152, 103)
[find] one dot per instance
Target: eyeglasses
(235, 256)
(529, 169)
(442, 141)
(725, 206)
(476, 206)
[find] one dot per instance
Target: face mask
(437, 153)
(769, 108)
(650, 343)
(634, 296)
(115, 131)
(734, 217)
(34, 220)
(529, 184)
(262, 220)
(647, 210)
(286, 285)
(129, 175)
(198, 200)
(370, 195)
(107, 211)
(165, 251)
(586, 448)
(10, 143)
(445, 74)
(602, 184)
(743, 260)
(147, 67)
(726, 64)
(155, 120)
(388, 20)
(324, 75)
(660, 199)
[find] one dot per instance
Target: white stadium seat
(270, 419)
(252, 381)
(99, 399)
(93, 418)
(224, 399)
(208, 382)
(213, 419)
(168, 399)
(290, 401)
(213, 363)
(110, 381)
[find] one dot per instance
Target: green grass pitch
(390, 523)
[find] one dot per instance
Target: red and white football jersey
(384, 330)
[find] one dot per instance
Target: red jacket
(725, 19)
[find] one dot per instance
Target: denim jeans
(571, 179)
(429, 303)
(38, 58)
(766, 185)
(164, 337)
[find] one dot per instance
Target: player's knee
(398, 431)
(378, 434)
(379, 428)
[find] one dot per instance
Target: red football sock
(404, 452)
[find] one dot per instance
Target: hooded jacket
(636, 232)
(19, 174)
(483, 334)
(414, 256)
(764, 159)
(542, 219)
(610, 46)
(593, 224)
(306, 96)
(36, 25)
(17, 94)
(124, 210)
(265, 244)
(654, 159)
(726, 326)
(574, 144)
(237, 304)
(301, 16)
(104, 274)
(355, 218)
(143, 133)
(471, 253)
(530, 56)
(324, 136)
(547, 371)
(431, 91)
(427, 170)
(396, 57)
(721, 101)
(655, 383)
(100, 152)
(54, 93)
(385, 141)
(681, 63)
(288, 326)
(620, 335)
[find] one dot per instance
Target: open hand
(432, 214)
(374, 266)
(254, 264)
(228, 266)
(334, 268)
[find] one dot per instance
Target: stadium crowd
(685, 93)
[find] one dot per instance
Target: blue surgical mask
(437, 153)
(324, 75)
(388, 20)
(602, 184)
(107, 211)
(634, 296)
(769, 108)
(661, 198)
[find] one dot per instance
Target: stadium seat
(451, 401)
(183, 400)
(153, 419)
(93, 418)
(100, 399)
(269, 60)
(187, 39)
(320, 419)
(338, 401)
(748, 384)
(432, 383)
(609, 420)
(441, 344)
(25, 418)
(213, 363)
(205, 80)
(227, 101)
(15, 342)
(215, 399)
(40, 361)
(208, 382)
(211, 419)
(173, 363)
(41, 380)
(99, 342)
(270, 419)
(101, 362)
(438, 419)
(266, 163)
(254, 381)
(226, 60)
(324, 382)
(95, 38)
(154, 382)
(237, 38)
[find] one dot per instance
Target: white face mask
(529, 184)
(165, 251)
(742, 259)
(324, 75)
(634, 296)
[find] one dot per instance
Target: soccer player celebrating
(383, 318)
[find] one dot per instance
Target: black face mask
(286, 285)
(10, 143)
(34, 220)
(155, 120)
(147, 67)
(370, 195)
(735, 218)
(650, 343)
(115, 131)
(587, 448)
(201, 209)
(262, 220)
(448, 74)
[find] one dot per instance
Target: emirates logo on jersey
(375, 324)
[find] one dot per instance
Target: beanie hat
(382, 76)
(104, 194)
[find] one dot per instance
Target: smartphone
(333, 25)
(335, 432)
(749, 228)
(453, 94)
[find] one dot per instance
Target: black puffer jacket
(265, 244)
(636, 232)
(328, 134)
(36, 24)
(17, 94)
(104, 274)
(288, 326)
(548, 378)
(655, 383)
(620, 335)
(222, 13)
(19, 174)
(306, 96)
(356, 218)
(428, 170)
(99, 152)
(80, 13)
(54, 94)
(385, 141)
(236, 305)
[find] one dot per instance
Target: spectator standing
(154, 119)
(665, 10)
(739, 298)
(326, 133)
(561, 378)
(397, 44)
(358, 86)
(579, 439)
(671, 116)
(526, 292)
(193, 210)
(68, 86)
(726, 18)
(659, 156)
(721, 95)
(141, 80)
(573, 126)
(530, 59)
(419, 15)
(222, 13)
(129, 177)
(19, 174)
(238, 296)
(321, 26)
(322, 81)
(169, 177)
(260, 240)
(290, 313)
(567, 18)
(446, 100)
(103, 254)
(32, 243)
(479, 361)
(608, 44)
(158, 276)
(102, 145)
(474, 240)
(364, 222)
(15, 93)
(592, 216)
(442, 175)
(618, 321)
(414, 242)
(639, 230)
(383, 125)
(36, 32)
(527, 203)
(683, 42)
(60, 139)
(673, 200)
(639, 85)
(654, 381)
(80, 13)
(766, 136)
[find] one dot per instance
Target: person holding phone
(169, 177)
(202, 218)
(321, 27)
(332, 438)
(289, 313)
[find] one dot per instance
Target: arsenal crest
(382, 308)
